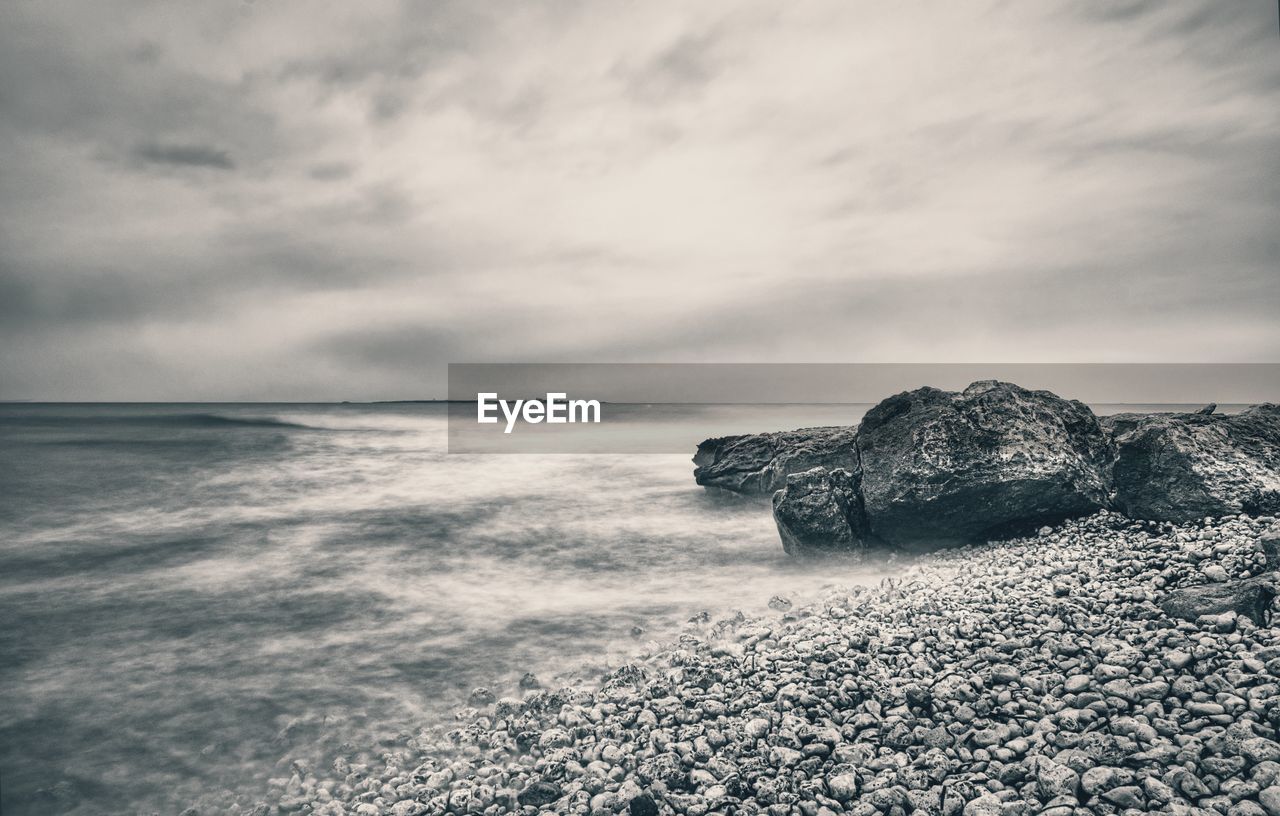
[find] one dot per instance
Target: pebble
(1216, 573)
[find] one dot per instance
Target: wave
(196, 420)
(218, 420)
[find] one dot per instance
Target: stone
(1056, 780)
(1215, 573)
(642, 805)
(1102, 778)
(1157, 792)
(540, 793)
(756, 728)
(1183, 467)
(942, 468)
(758, 464)
(1269, 798)
(820, 511)
(1246, 808)
(1250, 598)
(1077, 683)
(528, 681)
(1260, 749)
(1269, 545)
(985, 805)
(843, 786)
(1126, 796)
(665, 768)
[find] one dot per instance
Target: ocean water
(193, 596)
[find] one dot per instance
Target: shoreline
(987, 680)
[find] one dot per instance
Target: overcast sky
(309, 200)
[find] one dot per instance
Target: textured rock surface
(940, 468)
(1251, 598)
(1269, 543)
(936, 468)
(760, 463)
(1179, 467)
(820, 511)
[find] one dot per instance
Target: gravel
(1033, 676)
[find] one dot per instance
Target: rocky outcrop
(1179, 467)
(941, 468)
(1250, 598)
(820, 511)
(934, 468)
(759, 464)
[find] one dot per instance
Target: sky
(311, 200)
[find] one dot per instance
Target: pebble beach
(1031, 676)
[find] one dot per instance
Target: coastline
(998, 679)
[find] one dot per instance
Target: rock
(1056, 780)
(1100, 779)
(941, 468)
(758, 464)
(1208, 409)
(756, 728)
(1077, 683)
(664, 768)
(779, 603)
(1250, 598)
(985, 805)
(528, 681)
(1215, 573)
(642, 805)
(1157, 792)
(1181, 467)
(1269, 798)
(540, 793)
(843, 786)
(1269, 545)
(819, 511)
(1260, 749)
(1128, 796)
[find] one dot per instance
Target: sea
(195, 597)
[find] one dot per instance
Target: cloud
(686, 65)
(268, 201)
(189, 155)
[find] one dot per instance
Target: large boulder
(820, 511)
(759, 464)
(941, 468)
(1250, 598)
(1180, 467)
